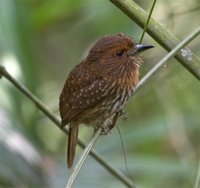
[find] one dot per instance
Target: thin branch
(30, 95)
(197, 176)
(125, 159)
(159, 33)
(83, 157)
(145, 27)
(121, 177)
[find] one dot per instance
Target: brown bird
(98, 87)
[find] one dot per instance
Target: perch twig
(83, 157)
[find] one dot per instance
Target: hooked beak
(140, 48)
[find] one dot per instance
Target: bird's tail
(72, 141)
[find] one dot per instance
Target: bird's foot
(111, 122)
(105, 129)
(107, 126)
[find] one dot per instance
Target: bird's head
(117, 49)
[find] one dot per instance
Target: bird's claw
(107, 126)
(105, 130)
(111, 122)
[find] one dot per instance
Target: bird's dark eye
(120, 53)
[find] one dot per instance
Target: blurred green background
(40, 42)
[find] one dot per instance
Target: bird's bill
(140, 48)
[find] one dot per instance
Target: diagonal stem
(145, 27)
(197, 176)
(83, 157)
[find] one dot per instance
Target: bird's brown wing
(82, 90)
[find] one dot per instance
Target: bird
(97, 88)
